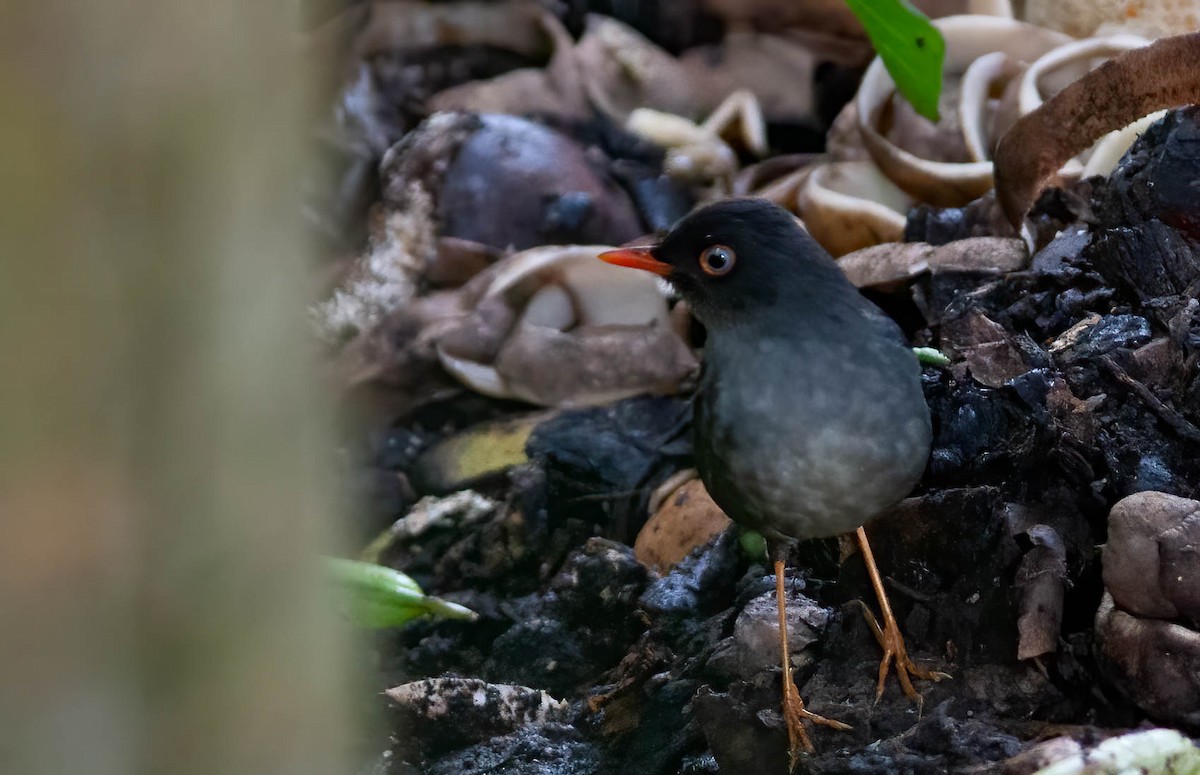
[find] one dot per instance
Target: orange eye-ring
(717, 260)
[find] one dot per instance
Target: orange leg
(889, 636)
(793, 707)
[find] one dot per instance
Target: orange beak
(638, 258)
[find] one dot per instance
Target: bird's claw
(794, 716)
(894, 652)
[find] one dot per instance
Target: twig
(1174, 419)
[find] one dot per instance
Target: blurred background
(163, 442)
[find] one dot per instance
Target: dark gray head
(739, 258)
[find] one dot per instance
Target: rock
(1152, 579)
(543, 749)
(442, 714)
(1149, 261)
(544, 652)
(1150, 751)
(507, 182)
(1152, 558)
(1156, 179)
(961, 740)
(1154, 662)
(583, 626)
(754, 645)
(696, 586)
(737, 736)
(602, 581)
(600, 462)
(516, 183)
(1041, 755)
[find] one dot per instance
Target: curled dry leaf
(938, 169)
(556, 327)
(777, 71)
(1114, 95)
(686, 519)
(1151, 570)
(884, 265)
(623, 71)
(476, 454)
(777, 178)
(851, 205)
(1057, 69)
(832, 20)
(1042, 579)
(697, 153)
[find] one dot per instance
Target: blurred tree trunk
(163, 446)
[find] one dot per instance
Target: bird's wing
(879, 322)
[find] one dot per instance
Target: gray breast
(836, 434)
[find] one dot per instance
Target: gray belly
(818, 452)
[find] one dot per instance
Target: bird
(809, 418)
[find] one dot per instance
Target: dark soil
(1072, 384)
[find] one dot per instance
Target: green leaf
(753, 544)
(912, 49)
(376, 596)
(931, 356)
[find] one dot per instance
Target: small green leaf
(753, 544)
(931, 356)
(912, 49)
(376, 596)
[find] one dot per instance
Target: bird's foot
(794, 716)
(894, 652)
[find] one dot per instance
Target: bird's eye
(717, 260)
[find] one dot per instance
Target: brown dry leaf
(989, 351)
(554, 90)
(1070, 413)
(883, 265)
(687, 518)
(408, 25)
(1042, 579)
(593, 365)
(1115, 94)
(556, 327)
(624, 71)
(778, 71)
